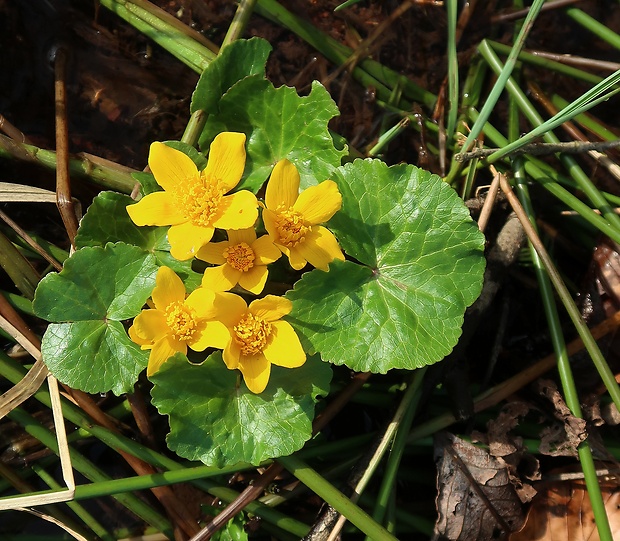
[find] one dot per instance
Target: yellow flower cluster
(195, 203)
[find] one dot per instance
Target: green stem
(19, 269)
(503, 77)
(90, 471)
(585, 184)
(194, 127)
(240, 21)
(188, 46)
(407, 408)
(108, 174)
(335, 498)
(453, 71)
(78, 509)
(546, 274)
(597, 28)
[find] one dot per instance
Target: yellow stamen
(181, 320)
(240, 256)
(251, 334)
(290, 226)
(200, 200)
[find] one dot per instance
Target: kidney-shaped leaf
(98, 288)
(421, 264)
(216, 419)
(278, 124)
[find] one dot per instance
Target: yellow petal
(231, 355)
(283, 186)
(269, 220)
(237, 236)
(237, 211)
(318, 204)
(157, 208)
(186, 239)
(295, 257)
(254, 280)
(222, 278)
(320, 248)
(230, 308)
(213, 252)
(270, 307)
(212, 334)
(256, 370)
(284, 349)
(163, 349)
(169, 288)
(226, 159)
(171, 167)
(265, 251)
(148, 327)
(203, 302)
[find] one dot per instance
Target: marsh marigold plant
(292, 219)
(194, 202)
(175, 321)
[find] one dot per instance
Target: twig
(63, 185)
(540, 149)
(505, 17)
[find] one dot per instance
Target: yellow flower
(194, 202)
(242, 259)
(292, 219)
(175, 322)
(257, 337)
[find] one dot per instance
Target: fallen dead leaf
(476, 500)
(562, 512)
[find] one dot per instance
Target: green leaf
(216, 419)
(235, 61)
(107, 221)
(278, 124)
(421, 264)
(94, 356)
(97, 289)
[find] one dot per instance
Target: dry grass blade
(53, 520)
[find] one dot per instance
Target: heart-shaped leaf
(216, 419)
(278, 124)
(420, 265)
(98, 288)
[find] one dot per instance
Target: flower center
(199, 199)
(251, 334)
(240, 256)
(181, 320)
(291, 227)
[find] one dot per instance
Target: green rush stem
(240, 21)
(108, 174)
(582, 329)
(89, 470)
(187, 45)
(546, 273)
(389, 136)
(77, 508)
(503, 77)
(587, 121)
(325, 490)
(406, 412)
(19, 269)
(548, 64)
(453, 70)
(597, 28)
(583, 181)
(548, 180)
(14, 372)
(194, 127)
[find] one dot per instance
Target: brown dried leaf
(476, 500)
(562, 512)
